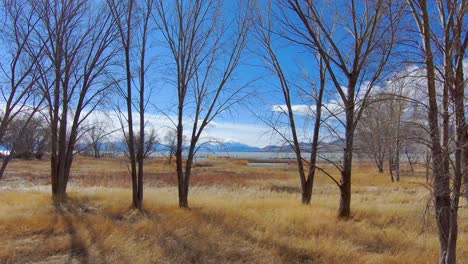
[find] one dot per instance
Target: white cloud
(330, 108)
(297, 109)
(250, 134)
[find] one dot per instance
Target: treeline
(382, 76)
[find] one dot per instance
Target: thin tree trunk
(428, 159)
(410, 162)
(457, 180)
(460, 167)
(183, 197)
(169, 159)
(397, 165)
(441, 179)
(390, 167)
(142, 113)
(379, 162)
(309, 185)
(445, 125)
(398, 142)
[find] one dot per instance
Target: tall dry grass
(233, 219)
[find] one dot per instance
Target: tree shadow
(193, 252)
(66, 207)
(72, 210)
(287, 253)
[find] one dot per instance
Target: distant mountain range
(233, 146)
(334, 146)
(230, 146)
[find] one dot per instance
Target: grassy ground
(239, 214)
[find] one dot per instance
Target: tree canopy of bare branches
(19, 73)
(76, 37)
(132, 19)
(206, 48)
(356, 41)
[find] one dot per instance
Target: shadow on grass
(286, 252)
(83, 233)
(74, 213)
(180, 242)
(186, 242)
(65, 207)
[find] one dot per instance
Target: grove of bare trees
(383, 79)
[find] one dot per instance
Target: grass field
(239, 214)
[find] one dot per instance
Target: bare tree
(360, 49)
(77, 37)
(264, 33)
(19, 74)
(451, 24)
(151, 142)
(170, 141)
(132, 19)
(95, 136)
(27, 137)
(205, 51)
(384, 130)
(372, 133)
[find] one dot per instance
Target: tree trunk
(465, 173)
(307, 191)
(181, 185)
(397, 165)
(309, 184)
(139, 201)
(427, 166)
(390, 168)
(453, 219)
(169, 160)
(59, 186)
(97, 154)
(441, 186)
(410, 162)
(183, 197)
(451, 257)
(380, 167)
(379, 162)
(6, 160)
(344, 210)
(460, 165)
(345, 201)
(446, 121)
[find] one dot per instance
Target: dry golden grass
(234, 218)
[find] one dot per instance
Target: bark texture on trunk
(344, 211)
(181, 179)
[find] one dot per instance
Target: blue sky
(241, 123)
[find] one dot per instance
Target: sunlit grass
(228, 223)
